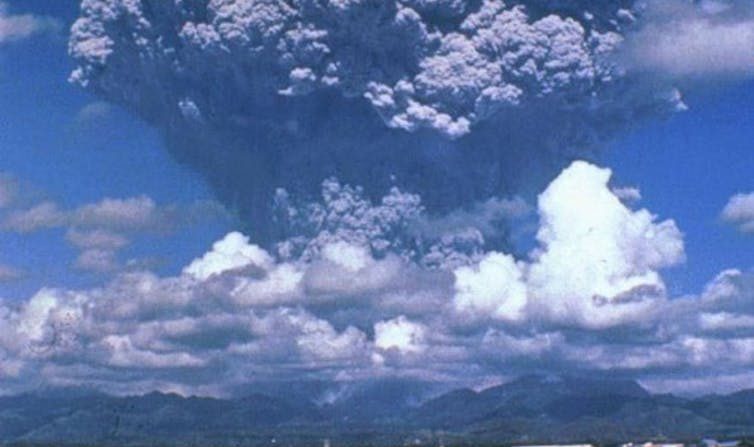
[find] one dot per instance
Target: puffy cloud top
(399, 333)
(494, 287)
(596, 252)
(596, 264)
(230, 253)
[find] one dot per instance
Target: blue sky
(105, 214)
(75, 160)
(687, 168)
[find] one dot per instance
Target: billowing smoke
(455, 100)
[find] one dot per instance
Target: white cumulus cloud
(400, 334)
(495, 288)
(231, 253)
(596, 263)
(739, 211)
(598, 260)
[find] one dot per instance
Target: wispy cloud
(131, 214)
(8, 273)
(92, 113)
(8, 190)
(100, 229)
(702, 40)
(15, 27)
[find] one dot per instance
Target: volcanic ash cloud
(454, 100)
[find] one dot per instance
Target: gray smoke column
(454, 100)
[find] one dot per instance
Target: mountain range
(530, 409)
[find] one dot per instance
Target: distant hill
(529, 409)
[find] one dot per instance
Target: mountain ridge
(527, 409)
